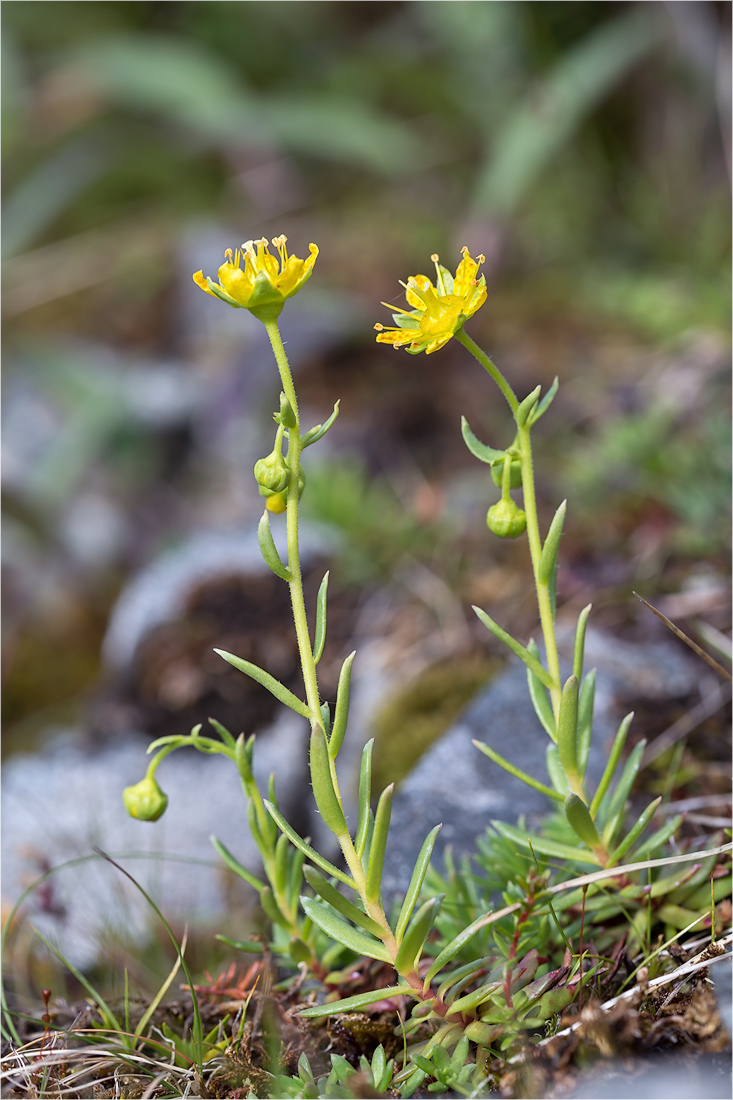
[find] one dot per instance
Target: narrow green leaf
(582, 823)
(557, 776)
(539, 697)
(465, 975)
(634, 833)
(567, 728)
(545, 402)
(517, 772)
(551, 548)
(341, 711)
(320, 633)
(269, 550)
(622, 790)
(546, 847)
(524, 655)
(379, 845)
(358, 942)
(579, 644)
(478, 449)
(526, 407)
(451, 949)
(274, 686)
(314, 434)
(224, 733)
(354, 1004)
(243, 750)
(418, 877)
(239, 945)
(324, 791)
(365, 795)
(329, 893)
(311, 853)
(272, 909)
(654, 842)
(610, 770)
(295, 877)
(234, 865)
(416, 935)
(326, 718)
(476, 997)
(282, 848)
(585, 720)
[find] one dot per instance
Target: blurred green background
(583, 147)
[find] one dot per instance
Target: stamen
(435, 257)
(481, 259)
(379, 327)
(248, 246)
(228, 254)
(439, 273)
(464, 250)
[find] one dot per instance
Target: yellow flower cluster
(252, 278)
(438, 311)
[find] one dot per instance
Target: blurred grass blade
(537, 129)
(688, 641)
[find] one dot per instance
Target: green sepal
(365, 796)
(527, 407)
(358, 942)
(611, 765)
(346, 908)
(314, 434)
(271, 908)
(538, 695)
(234, 865)
(567, 729)
(418, 877)
(585, 720)
(354, 1004)
(582, 823)
(579, 644)
(324, 791)
(416, 936)
(516, 647)
(634, 833)
(222, 294)
(517, 772)
(319, 639)
(478, 449)
(551, 548)
(265, 302)
(378, 851)
(269, 550)
(304, 846)
(545, 402)
(267, 681)
(341, 710)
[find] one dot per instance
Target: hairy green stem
(544, 601)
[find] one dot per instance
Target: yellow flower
(263, 283)
(439, 311)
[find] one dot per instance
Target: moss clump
(416, 716)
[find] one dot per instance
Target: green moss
(416, 716)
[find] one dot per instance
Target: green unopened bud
(506, 520)
(273, 472)
(286, 416)
(515, 472)
(145, 801)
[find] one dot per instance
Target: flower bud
(278, 501)
(145, 801)
(515, 472)
(506, 520)
(273, 472)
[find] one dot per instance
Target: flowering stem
(544, 601)
(492, 369)
(297, 598)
